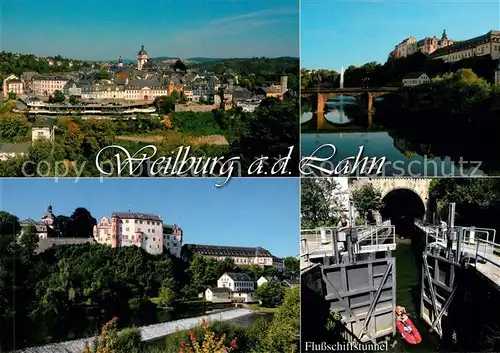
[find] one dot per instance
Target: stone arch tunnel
(402, 206)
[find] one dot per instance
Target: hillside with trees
(47, 291)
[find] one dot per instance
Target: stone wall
(194, 108)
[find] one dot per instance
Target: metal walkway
(319, 243)
(477, 244)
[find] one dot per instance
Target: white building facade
(237, 282)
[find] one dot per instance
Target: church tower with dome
(142, 58)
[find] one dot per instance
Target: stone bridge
(419, 186)
(363, 95)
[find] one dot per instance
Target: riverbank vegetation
(392, 72)
(43, 293)
(279, 334)
(270, 131)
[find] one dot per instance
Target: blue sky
(106, 29)
(245, 212)
(336, 33)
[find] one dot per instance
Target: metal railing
(478, 241)
(321, 242)
(488, 251)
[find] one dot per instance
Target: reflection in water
(306, 117)
(407, 152)
(336, 108)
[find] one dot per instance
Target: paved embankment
(148, 333)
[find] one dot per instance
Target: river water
(354, 132)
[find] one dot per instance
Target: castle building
(142, 58)
(486, 44)
(120, 62)
(240, 255)
(139, 229)
(44, 226)
(427, 45)
(172, 239)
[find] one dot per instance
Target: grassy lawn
(256, 307)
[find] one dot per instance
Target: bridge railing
(488, 251)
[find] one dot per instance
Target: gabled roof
(221, 251)
(240, 277)
(413, 75)
(44, 123)
(136, 215)
(219, 290)
(138, 84)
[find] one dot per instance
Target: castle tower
(284, 83)
(48, 217)
(120, 62)
(142, 58)
(444, 36)
(115, 226)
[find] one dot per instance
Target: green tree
(292, 267)
(270, 131)
(179, 65)
(72, 99)
(166, 297)
(321, 202)
(12, 95)
(197, 272)
(175, 96)
(270, 294)
(104, 74)
(367, 199)
(284, 333)
(29, 238)
(165, 104)
(9, 224)
(58, 97)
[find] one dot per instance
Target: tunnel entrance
(402, 207)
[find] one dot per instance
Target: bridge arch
(400, 196)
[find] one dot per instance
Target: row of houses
(239, 287)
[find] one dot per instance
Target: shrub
(113, 341)
(210, 343)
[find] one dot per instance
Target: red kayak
(412, 336)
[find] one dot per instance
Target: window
(152, 230)
(127, 229)
(154, 239)
(126, 221)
